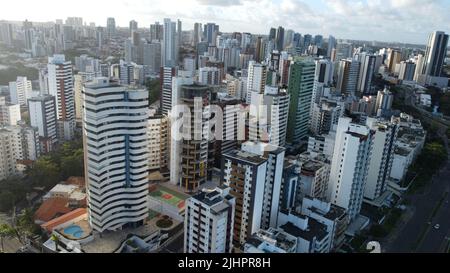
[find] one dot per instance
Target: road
(430, 208)
(417, 235)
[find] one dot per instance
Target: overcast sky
(384, 20)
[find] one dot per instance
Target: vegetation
(357, 243)
(432, 158)
(23, 228)
(12, 191)
(164, 223)
(6, 231)
(153, 87)
(13, 71)
(70, 54)
(55, 239)
(379, 231)
(444, 104)
(45, 173)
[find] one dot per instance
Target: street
(417, 235)
(429, 208)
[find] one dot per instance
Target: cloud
(221, 3)
(383, 20)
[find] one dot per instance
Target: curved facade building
(116, 154)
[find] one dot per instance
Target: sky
(408, 21)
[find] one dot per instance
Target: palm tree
(55, 239)
(6, 231)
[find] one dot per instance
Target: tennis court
(169, 196)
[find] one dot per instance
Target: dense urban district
(349, 152)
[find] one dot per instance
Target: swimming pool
(74, 231)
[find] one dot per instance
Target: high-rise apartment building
(366, 73)
(325, 115)
(407, 71)
(279, 40)
(348, 74)
(6, 33)
(277, 102)
(384, 102)
(169, 47)
(435, 54)
(300, 89)
(60, 85)
(394, 58)
(79, 80)
(256, 80)
(381, 159)
(183, 78)
(331, 46)
(209, 75)
(158, 141)
(209, 222)
(343, 51)
(194, 152)
(419, 66)
(274, 156)
(156, 32)
(20, 91)
(350, 164)
(245, 174)
(210, 32)
(110, 27)
(166, 74)
(42, 111)
(116, 154)
(133, 27)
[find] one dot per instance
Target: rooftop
(314, 230)
(278, 238)
(246, 157)
(52, 208)
(52, 224)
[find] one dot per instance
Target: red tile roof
(52, 208)
(49, 226)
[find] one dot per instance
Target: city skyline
(225, 126)
(405, 21)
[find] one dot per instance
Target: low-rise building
(408, 145)
(332, 216)
(271, 241)
(312, 236)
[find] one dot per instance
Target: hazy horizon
(400, 21)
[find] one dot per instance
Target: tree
(153, 87)
(73, 165)
(12, 190)
(55, 239)
(433, 155)
(44, 172)
(7, 200)
(25, 225)
(6, 231)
